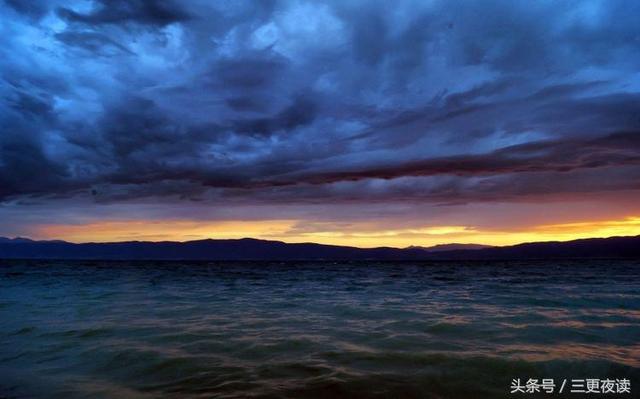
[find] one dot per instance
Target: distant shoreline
(248, 249)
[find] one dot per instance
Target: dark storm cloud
(19, 159)
(30, 105)
(93, 42)
(557, 156)
(31, 8)
(245, 103)
(152, 12)
(300, 112)
(250, 72)
(300, 101)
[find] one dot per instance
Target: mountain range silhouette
(254, 249)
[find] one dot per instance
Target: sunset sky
(345, 122)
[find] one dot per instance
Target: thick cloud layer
(295, 102)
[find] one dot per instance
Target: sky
(364, 123)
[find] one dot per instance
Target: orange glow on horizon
(160, 230)
(360, 235)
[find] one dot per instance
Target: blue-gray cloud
(291, 102)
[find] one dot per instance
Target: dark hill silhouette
(253, 249)
(612, 247)
(451, 247)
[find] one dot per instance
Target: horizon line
(311, 242)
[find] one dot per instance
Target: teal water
(313, 330)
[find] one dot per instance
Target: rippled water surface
(312, 330)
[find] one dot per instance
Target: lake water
(313, 330)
